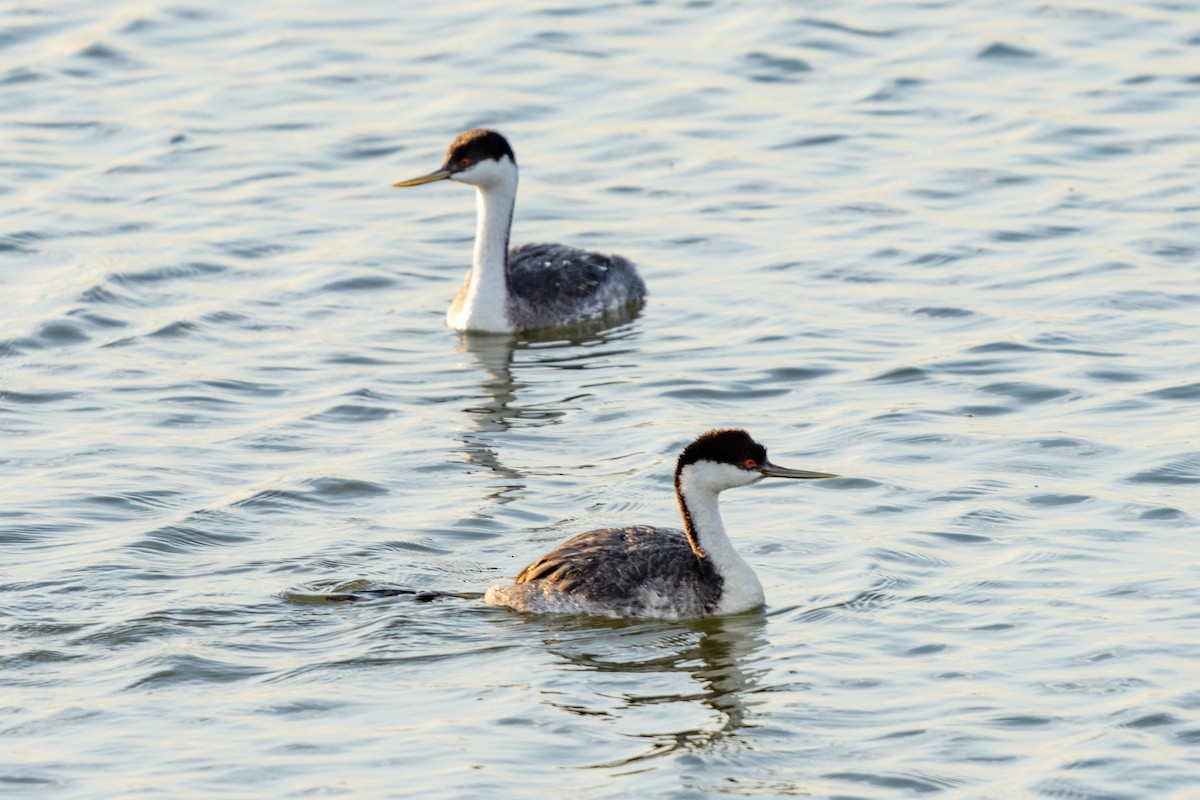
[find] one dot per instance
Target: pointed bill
(775, 471)
(440, 175)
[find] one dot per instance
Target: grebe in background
(642, 571)
(530, 286)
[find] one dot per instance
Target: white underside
(542, 598)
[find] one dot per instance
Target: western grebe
(643, 571)
(530, 286)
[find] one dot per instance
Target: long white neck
(698, 500)
(482, 305)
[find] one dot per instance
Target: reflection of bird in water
(716, 654)
(643, 571)
(531, 286)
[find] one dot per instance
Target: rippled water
(948, 250)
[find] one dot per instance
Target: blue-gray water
(950, 251)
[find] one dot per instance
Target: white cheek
(715, 477)
(485, 173)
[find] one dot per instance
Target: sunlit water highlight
(949, 251)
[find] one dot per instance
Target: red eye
(750, 463)
(464, 163)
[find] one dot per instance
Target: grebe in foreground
(530, 286)
(665, 573)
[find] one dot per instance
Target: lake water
(950, 251)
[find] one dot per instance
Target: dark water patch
(1162, 514)
(59, 334)
(35, 398)
(402, 546)
(198, 401)
(961, 538)
(182, 670)
(1023, 721)
(20, 242)
(1074, 789)
(1109, 151)
(1034, 233)
(1182, 471)
(775, 69)
(321, 491)
(924, 650)
(37, 658)
(367, 146)
(1002, 347)
(1079, 446)
(184, 539)
(34, 532)
(109, 56)
(941, 259)
(363, 283)
(98, 320)
(895, 90)
(847, 484)
(1027, 393)
(853, 275)
(1115, 375)
(924, 439)
(989, 517)
(907, 557)
(1155, 720)
(796, 374)
(980, 411)
(356, 412)
(1190, 391)
(225, 317)
(357, 359)
(258, 177)
(179, 329)
(902, 375)
(252, 251)
(168, 273)
(345, 489)
(1005, 52)
(1146, 300)
(275, 501)
(1071, 133)
(975, 366)
(1172, 251)
(872, 209)
(893, 782)
(1052, 500)
(28, 779)
(102, 295)
(862, 603)
(943, 312)
(830, 25)
(131, 504)
(24, 74)
(812, 141)
(741, 394)
(247, 388)
(156, 626)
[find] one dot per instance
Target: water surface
(949, 252)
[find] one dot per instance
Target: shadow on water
(716, 655)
